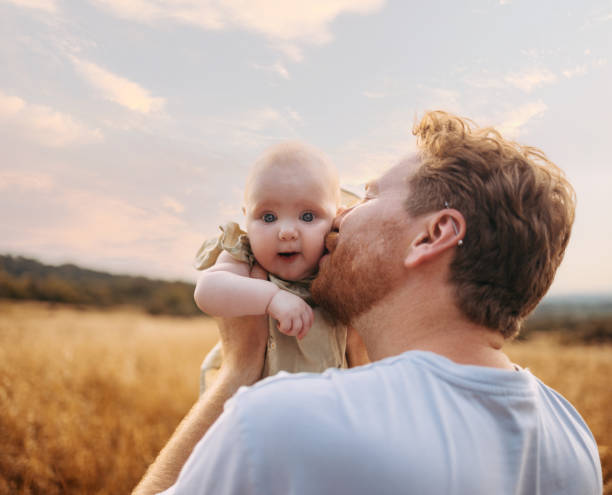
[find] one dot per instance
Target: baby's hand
(294, 316)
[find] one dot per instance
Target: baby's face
(289, 211)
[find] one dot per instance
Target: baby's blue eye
(268, 217)
(307, 217)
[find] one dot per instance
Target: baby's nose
(287, 233)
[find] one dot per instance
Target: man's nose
(287, 233)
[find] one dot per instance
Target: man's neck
(432, 323)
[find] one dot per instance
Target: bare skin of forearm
(217, 293)
(165, 470)
(244, 341)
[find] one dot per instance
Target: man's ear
(243, 210)
(441, 231)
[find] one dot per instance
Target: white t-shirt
(414, 423)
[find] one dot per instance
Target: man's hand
(243, 340)
(294, 316)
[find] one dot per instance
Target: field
(88, 397)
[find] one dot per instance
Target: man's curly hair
(519, 210)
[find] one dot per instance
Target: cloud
(359, 163)
(99, 229)
(291, 51)
(295, 19)
(367, 156)
(23, 181)
(10, 105)
(260, 119)
(118, 89)
(602, 17)
(43, 124)
(579, 70)
(373, 95)
(582, 69)
(514, 121)
(248, 132)
(264, 120)
(526, 80)
(172, 204)
(485, 81)
(596, 17)
(294, 115)
(278, 68)
(530, 79)
(441, 98)
(288, 21)
(45, 5)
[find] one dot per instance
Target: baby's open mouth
(288, 255)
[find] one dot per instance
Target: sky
(127, 127)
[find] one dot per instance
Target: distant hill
(580, 317)
(574, 307)
(25, 278)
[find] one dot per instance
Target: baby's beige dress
(323, 347)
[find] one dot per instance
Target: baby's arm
(227, 290)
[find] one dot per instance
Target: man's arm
(243, 340)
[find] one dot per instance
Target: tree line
(29, 279)
(579, 319)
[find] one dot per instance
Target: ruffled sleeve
(232, 239)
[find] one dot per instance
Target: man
(435, 269)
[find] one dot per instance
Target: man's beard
(358, 274)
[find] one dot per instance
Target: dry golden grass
(87, 398)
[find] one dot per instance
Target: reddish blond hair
(519, 210)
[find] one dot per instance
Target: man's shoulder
(334, 388)
(291, 387)
(307, 409)
(287, 386)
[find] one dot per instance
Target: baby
(291, 197)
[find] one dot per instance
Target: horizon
(575, 297)
(127, 131)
